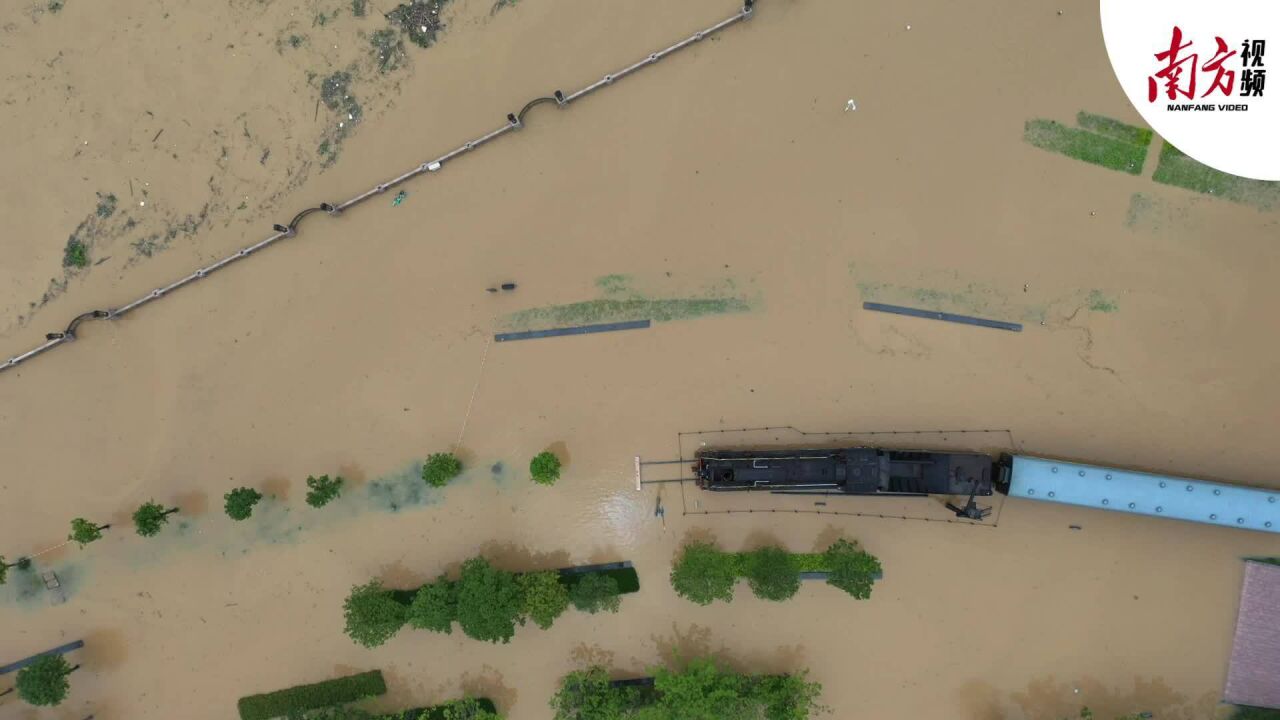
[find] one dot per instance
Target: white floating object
(142, 203)
(908, 27)
(851, 105)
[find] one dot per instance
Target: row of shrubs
(704, 573)
(301, 698)
(441, 468)
(487, 603)
(703, 689)
(437, 471)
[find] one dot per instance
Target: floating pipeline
(515, 121)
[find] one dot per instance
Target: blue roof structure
(1145, 494)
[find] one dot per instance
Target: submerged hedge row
(704, 573)
(442, 712)
(302, 698)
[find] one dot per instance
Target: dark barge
(852, 471)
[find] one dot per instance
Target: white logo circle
(1204, 75)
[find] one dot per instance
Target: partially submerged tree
(595, 592)
(4, 568)
(589, 695)
(703, 574)
(440, 468)
(772, 573)
(489, 602)
(435, 606)
(323, 490)
(85, 532)
(543, 597)
(150, 517)
(466, 709)
(545, 468)
(852, 570)
(240, 502)
(44, 682)
(372, 614)
(702, 691)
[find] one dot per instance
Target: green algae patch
(1180, 170)
(1099, 140)
(1097, 302)
(623, 302)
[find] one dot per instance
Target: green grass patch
(1106, 142)
(606, 310)
(1114, 129)
(1098, 302)
(75, 254)
(302, 698)
(1180, 170)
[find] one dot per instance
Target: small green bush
(435, 606)
(44, 682)
(772, 574)
(543, 597)
(545, 468)
(372, 614)
(323, 490)
(589, 695)
(440, 468)
(85, 532)
(704, 574)
(75, 254)
(150, 517)
(239, 502)
(596, 592)
(299, 699)
(852, 570)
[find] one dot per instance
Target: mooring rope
(514, 122)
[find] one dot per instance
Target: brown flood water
(355, 348)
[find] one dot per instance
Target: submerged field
(725, 194)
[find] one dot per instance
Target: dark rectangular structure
(852, 471)
(1253, 677)
(577, 330)
(944, 316)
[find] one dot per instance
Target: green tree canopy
(595, 592)
(702, 691)
(852, 570)
(703, 574)
(44, 682)
(488, 602)
(240, 502)
(150, 517)
(787, 697)
(772, 573)
(543, 597)
(373, 616)
(435, 606)
(545, 468)
(323, 490)
(4, 570)
(440, 468)
(588, 695)
(85, 532)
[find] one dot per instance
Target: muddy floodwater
(727, 193)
